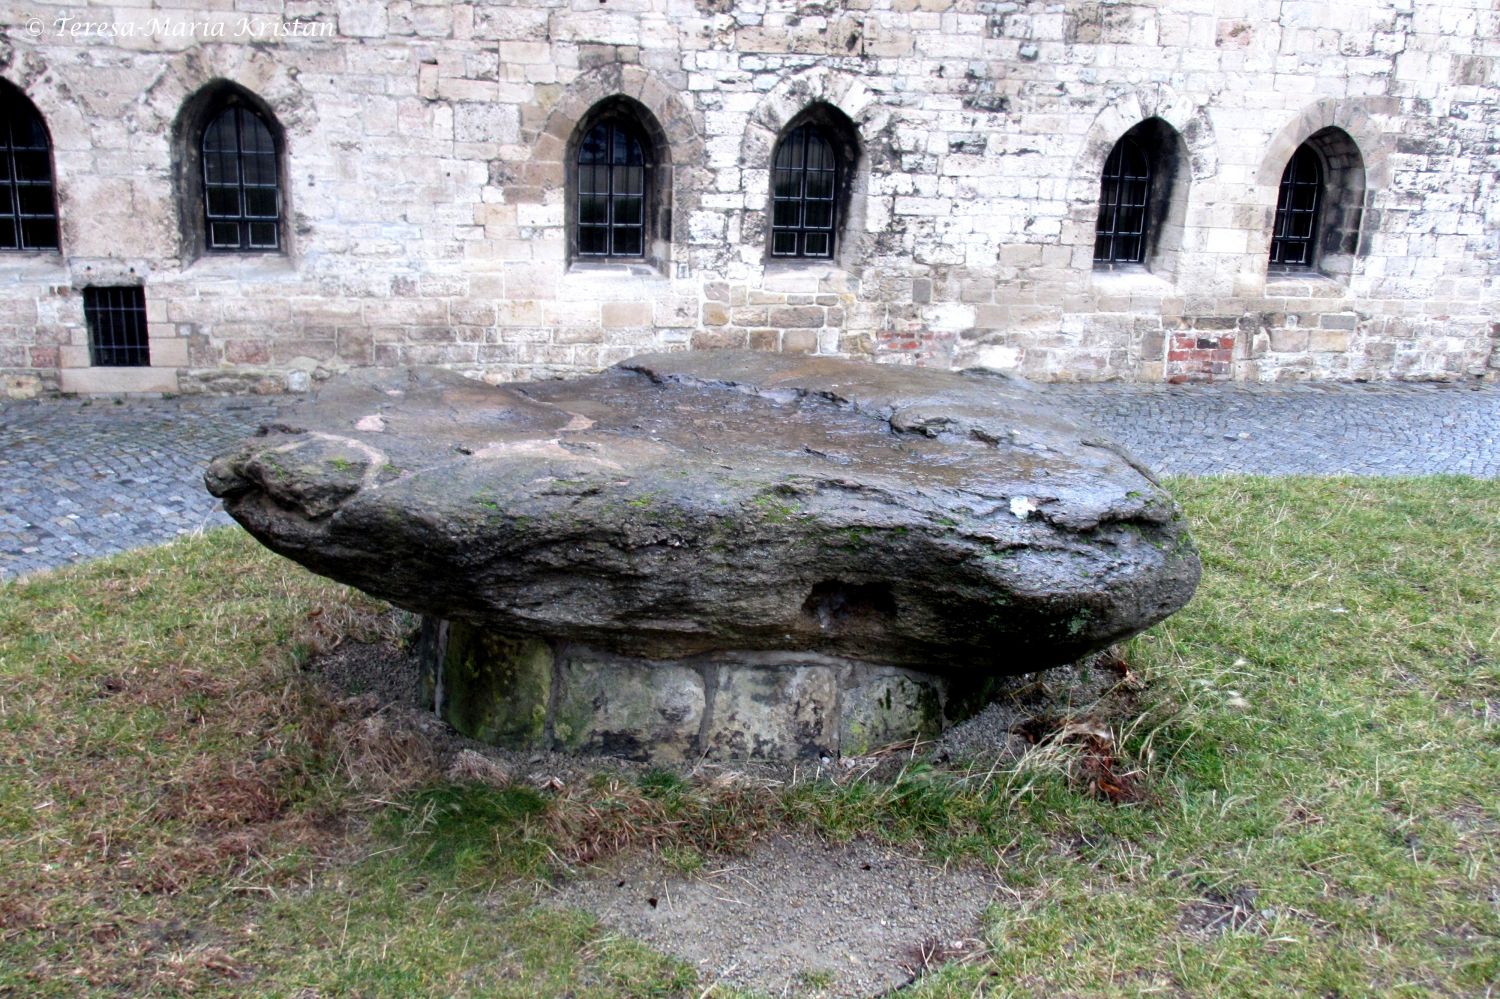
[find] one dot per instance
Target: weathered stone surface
(766, 711)
(495, 689)
(630, 708)
(689, 503)
(729, 705)
(885, 705)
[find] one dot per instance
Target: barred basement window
(117, 327)
(804, 184)
(28, 212)
(1124, 197)
(241, 186)
(613, 168)
(1297, 208)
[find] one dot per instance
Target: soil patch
(795, 915)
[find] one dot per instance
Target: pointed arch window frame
(28, 188)
(805, 185)
(1299, 211)
(240, 181)
(1123, 228)
(612, 183)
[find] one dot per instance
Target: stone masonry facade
(427, 153)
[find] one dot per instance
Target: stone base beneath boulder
(529, 693)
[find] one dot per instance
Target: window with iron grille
(241, 186)
(613, 163)
(28, 212)
(117, 327)
(1124, 199)
(1295, 232)
(804, 185)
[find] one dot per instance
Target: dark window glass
(117, 326)
(1297, 204)
(1124, 194)
(241, 186)
(804, 182)
(612, 167)
(28, 210)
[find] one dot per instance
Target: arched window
(1298, 202)
(1124, 201)
(28, 210)
(241, 182)
(1319, 204)
(804, 190)
(614, 162)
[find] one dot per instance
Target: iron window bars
(241, 189)
(28, 213)
(117, 326)
(1297, 204)
(1124, 194)
(804, 180)
(612, 165)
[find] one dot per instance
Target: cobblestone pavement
(80, 478)
(1315, 429)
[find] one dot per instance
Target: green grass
(1318, 738)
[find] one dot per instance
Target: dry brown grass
(725, 814)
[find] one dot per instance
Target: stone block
(111, 381)
(1286, 341)
(799, 341)
(1328, 341)
(797, 317)
(495, 689)
(881, 706)
(763, 713)
(168, 352)
(362, 18)
(632, 709)
(486, 123)
(718, 339)
(617, 314)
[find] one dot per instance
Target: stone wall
(426, 186)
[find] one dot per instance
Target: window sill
(1130, 279)
(241, 267)
(613, 270)
(32, 265)
(1303, 283)
(802, 275)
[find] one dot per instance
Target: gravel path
(83, 478)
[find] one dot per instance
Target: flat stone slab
(686, 504)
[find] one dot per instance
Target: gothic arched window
(613, 165)
(241, 182)
(28, 210)
(804, 190)
(1298, 202)
(1124, 205)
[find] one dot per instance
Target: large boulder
(682, 504)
